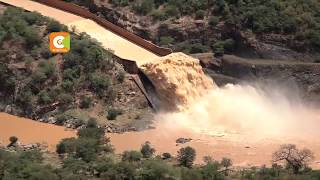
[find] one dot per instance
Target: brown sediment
(243, 149)
(29, 131)
(178, 79)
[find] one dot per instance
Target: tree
(66, 145)
(44, 97)
(100, 83)
(146, 150)
(144, 6)
(32, 38)
(113, 113)
(213, 21)
(226, 163)
(191, 174)
(212, 171)
(86, 149)
(156, 169)
(85, 102)
(186, 156)
(295, 159)
(91, 130)
(54, 26)
(122, 170)
(166, 40)
(200, 14)
(131, 156)
(13, 140)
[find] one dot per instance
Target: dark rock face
(269, 46)
(305, 75)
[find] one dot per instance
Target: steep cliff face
(305, 76)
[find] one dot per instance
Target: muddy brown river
(29, 131)
(242, 149)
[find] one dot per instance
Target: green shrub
(67, 85)
(32, 38)
(91, 130)
(166, 40)
(86, 149)
(61, 119)
(157, 169)
(33, 18)
(213, 21)
(120, 2)
(198, 48)
(171, 11)
(158, 15)
(220, 47)
(212, 170)
(100, 83)
(229, 44)
(85, 102)
(54, 26)
(200, 14)
(65, 99)
(48, 68)
(143, 6)
(113, 113)
(146, 150)
(38, 77)
(186, 156)
(44, 97)
(67, 145)
(131, 156)
(122, 170)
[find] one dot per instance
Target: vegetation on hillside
(297, 21)
(34, 81)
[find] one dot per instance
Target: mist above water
(245, 109)
(259, 110)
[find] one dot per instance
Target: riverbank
(243, 149)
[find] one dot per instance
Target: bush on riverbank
(85, 158)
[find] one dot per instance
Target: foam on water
(205, 108)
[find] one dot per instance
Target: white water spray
(233, 109)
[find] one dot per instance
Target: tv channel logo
(59, 42)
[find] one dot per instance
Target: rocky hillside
(280, 30)
(277, 40)
(64, 89)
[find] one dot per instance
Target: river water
(242, 149)
(29, 131)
